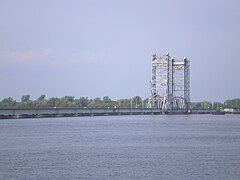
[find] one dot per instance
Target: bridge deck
(11, 113)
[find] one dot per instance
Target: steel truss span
(170, 84)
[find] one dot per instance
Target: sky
(96, 48)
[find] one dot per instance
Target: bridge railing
(81, 111)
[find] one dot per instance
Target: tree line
(71, 101)
(232, 103)
(105, 102)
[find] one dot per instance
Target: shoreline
(22, 113)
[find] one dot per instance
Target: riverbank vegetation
(71, 101)
(105, 102)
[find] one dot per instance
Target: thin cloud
(51, 56)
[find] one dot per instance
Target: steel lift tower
(170, 84)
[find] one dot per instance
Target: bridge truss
(170, 84)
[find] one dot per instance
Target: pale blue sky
(103, 47)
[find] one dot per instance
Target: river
(121, 147)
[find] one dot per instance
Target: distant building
(228, 110)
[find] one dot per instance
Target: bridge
(15, 113)
(169, 94)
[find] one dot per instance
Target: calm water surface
(121, 147)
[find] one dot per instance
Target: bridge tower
(159, 82)
(170, 84)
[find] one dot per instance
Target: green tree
(40, 102)
(25, 102)
(123, 103)
(106, 102)
(137, 101)
(41, 98)
(233, 103)
(83, 102)
(218, 106)
(144, 103)
(8, 102)
(96, 103)
(67, 101)
(25, 99)
(52, 102)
